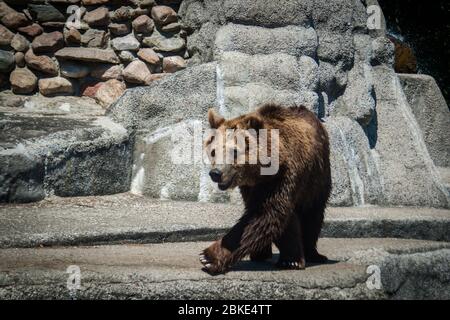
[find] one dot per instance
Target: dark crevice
(424, 26)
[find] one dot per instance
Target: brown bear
(285, 208)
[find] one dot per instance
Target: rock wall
(94, 48)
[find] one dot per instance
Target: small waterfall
(220, 92)
(356, 183)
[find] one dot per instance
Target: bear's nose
(216, 175)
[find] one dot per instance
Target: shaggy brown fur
(287, 208)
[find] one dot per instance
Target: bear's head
(239, 149)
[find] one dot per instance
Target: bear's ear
(254, 122)
(214, 119)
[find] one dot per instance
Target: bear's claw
(203, 259)
(214, 258)
(291, 265)
(208, 264)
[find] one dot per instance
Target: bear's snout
(216, 175)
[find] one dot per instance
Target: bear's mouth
(225, 185)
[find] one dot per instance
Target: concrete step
(63, 146)
(130, 218)
(399, 269)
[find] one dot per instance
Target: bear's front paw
(214, 258)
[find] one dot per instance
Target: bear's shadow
(269, 265)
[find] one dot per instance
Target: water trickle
(220, 92)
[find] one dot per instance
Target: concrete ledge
(127, 218)
(408, 269)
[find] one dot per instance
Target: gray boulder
(164, 42)
(71, 69)
(45, 13)
(335, 47)
(358, 101)
(155, 112)
(187, 94)
(94, 38)
(432, 114)
(339, 16)
(408, 172)
(63, 147)
(383, 51)
(128, 42)
(247, 81)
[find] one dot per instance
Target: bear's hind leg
(291, 249)
(311, 223)
(263, 255)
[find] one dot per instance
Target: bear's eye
(213, 153)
